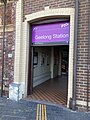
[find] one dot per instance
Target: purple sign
(51, 33)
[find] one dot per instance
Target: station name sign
(51, 33)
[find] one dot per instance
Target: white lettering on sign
(60, 35)
(64, 25)
(43, 37)
(49, 37)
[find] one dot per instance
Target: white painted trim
(83, 103)
(7, 28)
(18, 38)
(50, 12)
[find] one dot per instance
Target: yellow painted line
(45, 113)
(37, 112)
(41, 112)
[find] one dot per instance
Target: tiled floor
(54, 90)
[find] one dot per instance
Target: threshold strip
(41, 112)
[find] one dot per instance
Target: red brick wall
(9, 13)
(9, 43)
(31, 6)
(82, 62)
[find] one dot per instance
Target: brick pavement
(27, 110)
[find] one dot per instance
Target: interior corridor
(53, 90)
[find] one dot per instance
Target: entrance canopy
(51, 34)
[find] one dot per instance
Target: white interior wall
(54, 68)
(42, 72)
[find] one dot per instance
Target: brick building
(24, 15)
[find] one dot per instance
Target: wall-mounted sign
(51, 33)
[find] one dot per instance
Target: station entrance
(50, 74)
(48, 62)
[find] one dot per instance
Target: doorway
(50, 74)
